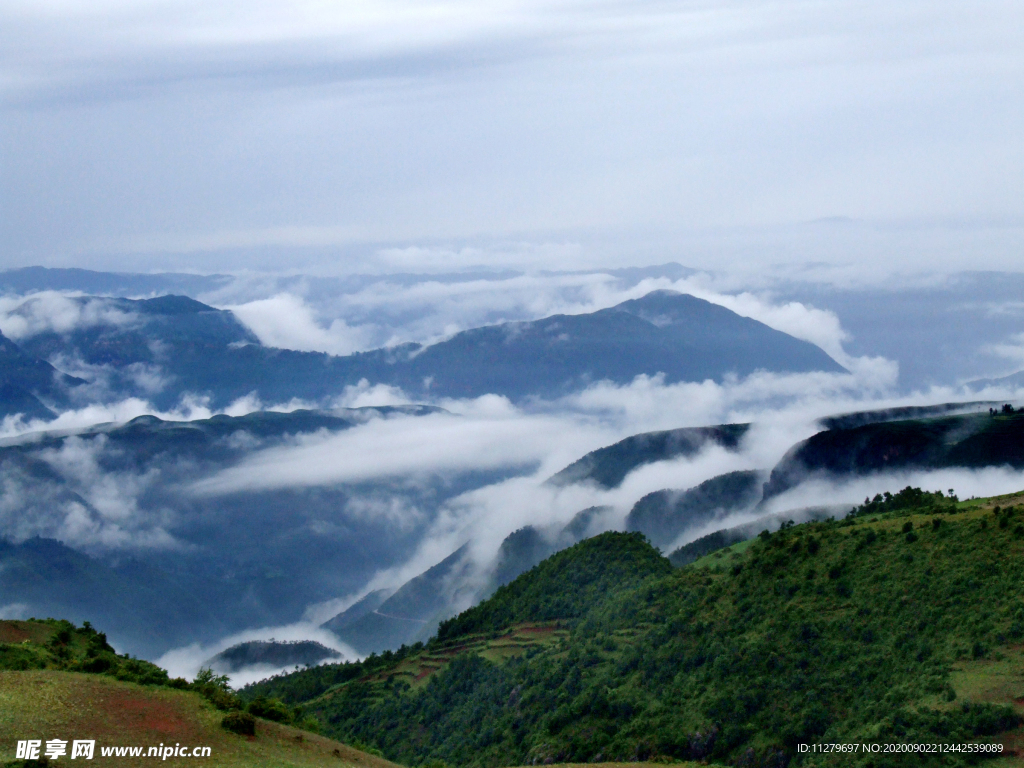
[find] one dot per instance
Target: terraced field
(417, 668)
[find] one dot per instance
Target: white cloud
(88, 507)
(990, 481)
(52, 311)
(1011, 349)
(397, 447)
(286, 321)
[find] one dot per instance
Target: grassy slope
(865, 636)
(45, 695)
(47, 704)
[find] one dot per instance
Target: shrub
(241, 723)
(269, 709)
(98, 664)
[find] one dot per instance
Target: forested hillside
(899, 624)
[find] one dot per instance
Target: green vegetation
(899, 624)
(59, 644)
(564, 586)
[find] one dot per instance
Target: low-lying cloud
(287, 322)
(57, 312)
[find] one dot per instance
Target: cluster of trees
(838, 631)
(907, 499)
(1006, 410)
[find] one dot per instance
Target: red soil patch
(146, 714)
(537, 630)
(425, 671)
(151, 713)
(20, 631)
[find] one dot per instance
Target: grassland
(49, 704)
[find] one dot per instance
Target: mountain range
(240, 558)
(168, 347)
(899, 624)
(683, 520)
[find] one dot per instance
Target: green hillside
(900, 625)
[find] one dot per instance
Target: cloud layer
(198, 134)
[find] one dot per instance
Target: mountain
(166, 347)
(904, 413)
(970, 441)
(276, 654)
(895, 626)
(680, 336)
(30, 386)
(669, 516)
(156, 348)
(31, 279)
(1012, 381)
(383, 620)
(364, 605)
(414, 610)
(607, 467)
(663, 516)
(147, 607)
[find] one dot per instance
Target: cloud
(86, 505)
(444, 443)
(436, 126)
(286, 321)
(56, 312)
(187, 661)
(967, 483)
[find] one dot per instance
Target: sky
(390, 135)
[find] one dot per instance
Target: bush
(98, 664)
(241, 723)
(215, 689)
(269, 709)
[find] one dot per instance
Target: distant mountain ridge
(165, 347)
(608, 466)
(30, 386)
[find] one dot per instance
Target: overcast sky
(383, 135)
